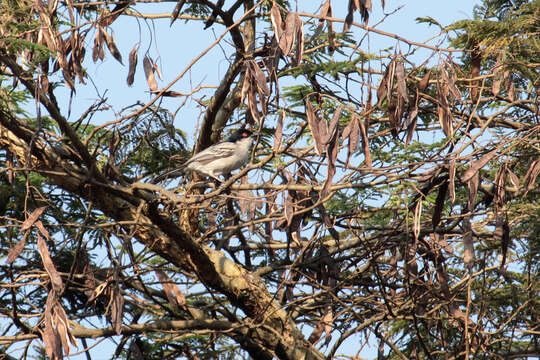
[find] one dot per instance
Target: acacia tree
(398, 205)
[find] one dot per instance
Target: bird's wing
(214, 152)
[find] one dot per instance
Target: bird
(218, 159)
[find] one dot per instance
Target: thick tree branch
(168, 240)
(53, 111)
(210, 130)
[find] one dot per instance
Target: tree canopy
(391, 199)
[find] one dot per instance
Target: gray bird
(218, 159)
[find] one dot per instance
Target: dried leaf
(299, 41)
(424, 83)
(365, 142)
(355, 133)
(135, 352)
(456, 94)
(500, 187)
(386, 84)
(347, 131)
(439, 204)
(505, 240)
(410, 124)
(417, 219)
(117, 310)
(496, 86)
(43, 230)
(394, 121)
(97, 291)
(289, 210)
(286, 41)
(68, 80)
(212, 18)
(278, 133)
(497, 78)
(498, 233)
(176, 11)
(451, 180)
(351, 132)
(9, 160)
(531, 175)
(442, 243)
(325, 9)
(62, 325)
(77, 57)
(450, 81)
(56, 279)
(133, 58)
(468, 245)
(156, 69)
(149, 73)
(399, 114)
(332, 128)
(271, 62)
(29, 222)
(254, 83)
(511, 91)
(97, 51)
(260, 78)
(108, 18)
(324, 325)
(246, 85)
(513, 178)
(53, 5)
(368, 110)
(109, 40)
(277, 23)
(477, 165)
(331, 34)
(314, 123)
(333, 148)
(173, 293)
(62, 334)
(472, 185)
(252, 104)
(332, 152)
(50, 335)
(389, 79)
(365, 8)
(323, 128)
(476, 62)
(349, 18)
(243, 197)
(16, 250)
(317, 332)
(328, 320)
(401, 82)
(445, 115)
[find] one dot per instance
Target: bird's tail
(171, 174)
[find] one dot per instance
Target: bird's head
(239, 135)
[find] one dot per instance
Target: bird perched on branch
(218, 159)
